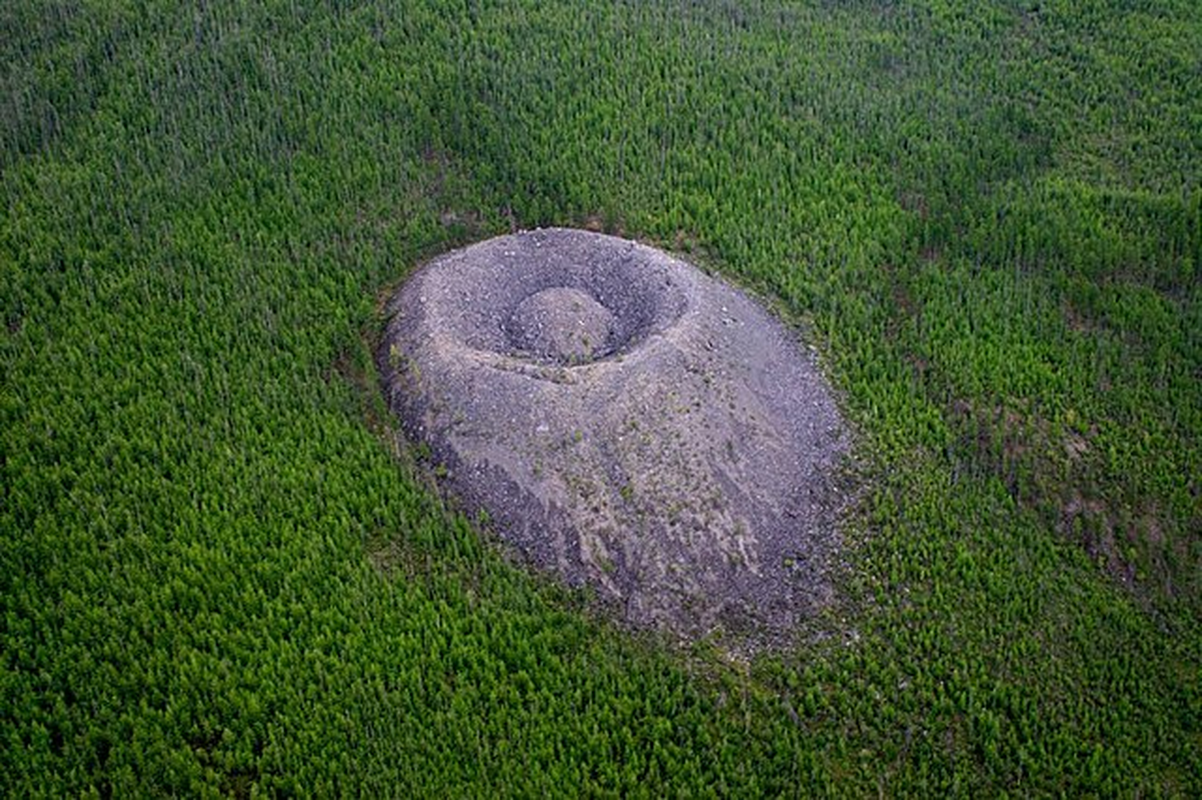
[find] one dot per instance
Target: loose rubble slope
(627, 422)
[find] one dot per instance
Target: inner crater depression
(628, 423)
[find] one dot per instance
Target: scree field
(219, 574)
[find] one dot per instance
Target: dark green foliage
(217, 577)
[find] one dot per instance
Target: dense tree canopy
(218, 576)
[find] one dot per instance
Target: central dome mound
(561, 325)
(628, 423)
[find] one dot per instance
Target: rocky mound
(627, 422)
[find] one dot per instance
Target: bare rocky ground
(628, 423)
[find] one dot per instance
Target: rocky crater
(628, 423)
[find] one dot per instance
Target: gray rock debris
(628, 423)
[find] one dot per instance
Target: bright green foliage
(217, 577)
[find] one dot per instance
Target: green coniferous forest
(220, 575)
